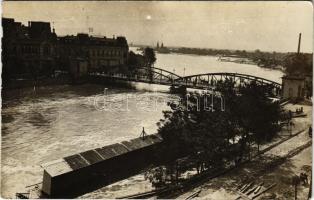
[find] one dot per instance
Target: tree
(149, 60)
(193, 130)
(134, 61)
(298, 64)
(258, 114)
(149, 57)
(214, 138)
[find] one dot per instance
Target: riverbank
(269, 60)
(31, 83)
(264, 168)
(294, 150)
(248, 61)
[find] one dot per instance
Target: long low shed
(75, 172)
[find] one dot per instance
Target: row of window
(99, 52)
(27, 49)
(97, 63)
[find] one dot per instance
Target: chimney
(299, 44)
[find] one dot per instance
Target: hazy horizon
(268, 26)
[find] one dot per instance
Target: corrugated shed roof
(92, 156)
(84, 159)
(57, 167)
(76, 161)
(106, 152)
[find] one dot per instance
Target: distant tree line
(299, 64)
(263, 59)
(290, 62)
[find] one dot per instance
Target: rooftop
(86, 39)
(90, 157)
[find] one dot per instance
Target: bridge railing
(131, 77)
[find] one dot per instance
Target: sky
(268, 26)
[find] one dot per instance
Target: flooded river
(51, 122)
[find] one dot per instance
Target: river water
(51, 122)
(184, 65)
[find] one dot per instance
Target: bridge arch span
(232, 75)
(211, 79)
(158, 72)
(142, 74)
(199, 81)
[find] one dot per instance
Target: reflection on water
(52, 122)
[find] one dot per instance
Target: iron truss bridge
(144, 74)
(199, 81)
(212, 79)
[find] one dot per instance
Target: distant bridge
(199, 81)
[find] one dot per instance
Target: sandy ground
(259, 170)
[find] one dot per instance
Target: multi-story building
(28, 49)
(36, 50)
(102, 54)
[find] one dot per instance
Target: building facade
(293, 87)
(28, 50)
(34, 50)
(102, 54)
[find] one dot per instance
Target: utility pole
(299, 44)
(90, 29)
(143, 134)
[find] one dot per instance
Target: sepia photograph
(156, 100)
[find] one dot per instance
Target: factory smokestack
(299, 44)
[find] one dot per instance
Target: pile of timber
(252, 190)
